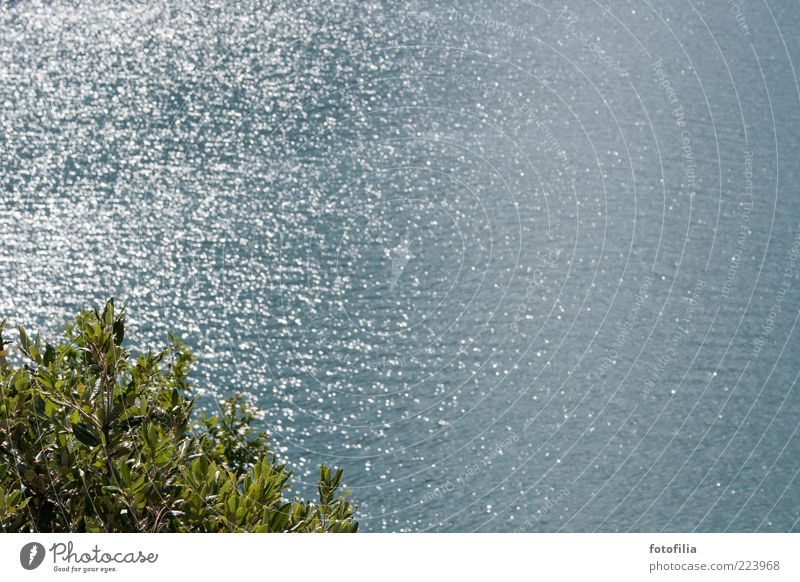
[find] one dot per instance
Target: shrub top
(96, 439)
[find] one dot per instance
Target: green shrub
(93, 439)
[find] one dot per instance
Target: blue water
(512, 267)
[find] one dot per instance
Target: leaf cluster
(94, 438)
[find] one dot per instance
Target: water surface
(512, 266)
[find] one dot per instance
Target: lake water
(512, 267)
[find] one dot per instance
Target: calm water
(512, 267)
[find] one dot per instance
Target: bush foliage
(95, 439)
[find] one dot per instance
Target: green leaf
(87, 434)
(119, 331)
(108, 312)
(23, 338)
